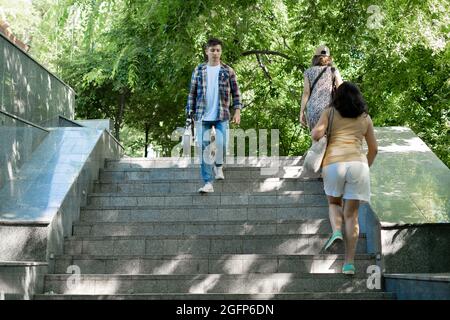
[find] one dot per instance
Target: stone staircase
(147, 234)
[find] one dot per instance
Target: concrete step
(251, 283)
(202, 228)
(221, 296)
(214, 199)
(236, 244)
(125, 163)
(193, 174)
(213, 263)
(203, 213)
(221, 186)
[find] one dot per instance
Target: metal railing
(23, 120)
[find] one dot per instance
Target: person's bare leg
(335, 213)
(351, 229)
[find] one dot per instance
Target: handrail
(115, 139)
(23, 120)
(28, 55)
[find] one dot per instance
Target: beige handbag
(314, 155)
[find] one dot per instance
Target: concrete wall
(30, 91)
(21, 280)
(37, 209)
(419, 286)
(416, 249)
(49, 191)
(46, 173)
(410, 205)
(370, 225)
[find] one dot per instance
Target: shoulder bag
(314, 155)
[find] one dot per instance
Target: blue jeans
(204, 140)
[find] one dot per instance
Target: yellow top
(347, 136)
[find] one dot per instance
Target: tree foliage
(131, 61)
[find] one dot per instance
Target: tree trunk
(147, 130)
(116, 129)
(119, 118)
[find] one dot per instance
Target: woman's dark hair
(349, 101)
(322, 60)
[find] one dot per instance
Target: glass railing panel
(18, 140)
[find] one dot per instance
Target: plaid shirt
(227, 85)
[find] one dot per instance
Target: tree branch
(263, 67)
(276, 53)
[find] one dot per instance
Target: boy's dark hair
(213, 42)
(349, 101)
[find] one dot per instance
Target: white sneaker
(208, 187)
(218, 172)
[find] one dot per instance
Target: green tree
(131, 61)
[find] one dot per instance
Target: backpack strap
(318, 77)
(333, 84)
(330, 124)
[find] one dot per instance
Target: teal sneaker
(348, 268)
(336, 236)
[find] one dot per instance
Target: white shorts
(351, 180)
